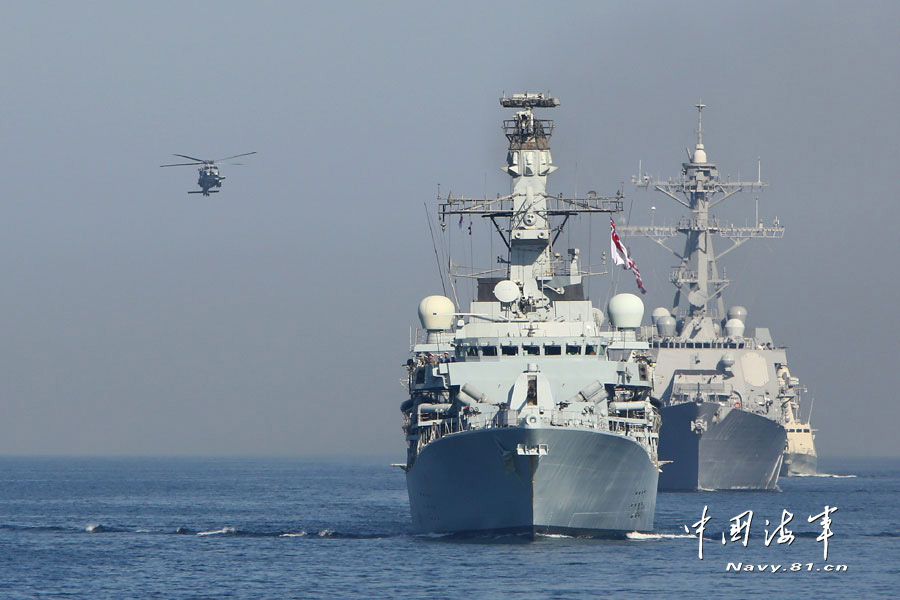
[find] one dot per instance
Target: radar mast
(528, 233)
(697, 278)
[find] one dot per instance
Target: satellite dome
(738, 312)
(665, 326)
(699, 154)
(734, 328)
(436, 313)
(506, 291)
(625, 311)
(727, 359)
(658, 313)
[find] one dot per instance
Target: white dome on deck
(699, 154)
(738, 312)
(659, 313)
(734, 328)
(436, 313)
(666, 326)
(625, 311)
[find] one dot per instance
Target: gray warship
(726, 392)
(525, 415)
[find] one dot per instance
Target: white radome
(506, 291)
(436, 313)
(625, 311)
(738, 312)
(734, 328)
(699, 155)
(658, 313)
(666, 326)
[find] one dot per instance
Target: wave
(223, 531)
(298, 532)
(325, 533)
(11, 527)
(887, 534)
(100, 528)
(827, 475)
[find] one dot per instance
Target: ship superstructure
(725, 391)
(800, 456)
(518, 418)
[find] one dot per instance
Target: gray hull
(587, 483)
(741, 450)
(799, 464)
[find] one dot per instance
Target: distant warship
(726, 393)
(519, 419)
(800, 456)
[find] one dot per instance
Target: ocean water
(104, 528)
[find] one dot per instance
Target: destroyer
(518, 418)
(726, 393)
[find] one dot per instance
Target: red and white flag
(620, 255)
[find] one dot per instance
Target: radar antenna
(697, 278)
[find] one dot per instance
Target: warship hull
(712, 448)
(796, 463)
(533, 481)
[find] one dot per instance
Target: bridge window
(531, 350)
(573, 349)
(471, 351)
(552, 350)
(510, 350)
(590, 350)
(489, 350)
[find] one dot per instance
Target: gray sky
(273, 318)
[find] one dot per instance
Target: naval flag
(620, 255)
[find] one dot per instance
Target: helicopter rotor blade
(189, 157)
(230, 157)
(183, 164)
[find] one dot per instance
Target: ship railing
(635, 426)
(703, 389)
(576, 418)
(730, 343)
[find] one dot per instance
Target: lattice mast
(697, 278)
(528, 232)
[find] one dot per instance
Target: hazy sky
(273, 318)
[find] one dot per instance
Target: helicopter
(209, 172)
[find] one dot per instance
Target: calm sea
(315, 528)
